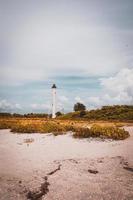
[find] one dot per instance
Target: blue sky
(83, 46)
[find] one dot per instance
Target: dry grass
(43, 127)
(28, 140)
(110, 132)
(81, 129)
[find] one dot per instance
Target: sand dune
(65, 168)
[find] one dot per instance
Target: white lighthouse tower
(53, 100)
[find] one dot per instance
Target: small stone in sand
(128, 168)
(92, 171)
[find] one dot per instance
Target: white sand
(29, 163)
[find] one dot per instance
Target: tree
(79, 107)
(58, 114)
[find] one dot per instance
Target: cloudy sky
(84, 46)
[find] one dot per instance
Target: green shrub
(116, 112)
(110, 132)
(79, 107)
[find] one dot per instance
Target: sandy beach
(43, 166)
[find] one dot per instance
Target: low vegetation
(28, 115)
(7, 123)
(44, 127)
(110, 132)
(121, 113)
(79, 130)
(106, 113)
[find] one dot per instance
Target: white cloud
(79, 99)
(94, 101)
(117, 89)
(6, 106)
(120, 83)
(18, 106)
(37, 106)
(46, 42)
(63, 99)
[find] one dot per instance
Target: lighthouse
(53, 100)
